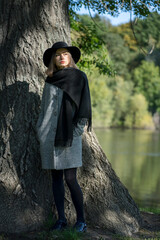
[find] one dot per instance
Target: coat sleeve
(79, 128)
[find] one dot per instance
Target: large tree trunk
(28, 27)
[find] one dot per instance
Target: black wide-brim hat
(75, 52)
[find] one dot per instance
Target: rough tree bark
(28, 27)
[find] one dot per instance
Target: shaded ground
(150, 230)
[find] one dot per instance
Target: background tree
(122, 53)
(119, 53)
(101, 95)
(150, 35)
(137, 115)
(146, 79)
(125, 31)
(122, 91)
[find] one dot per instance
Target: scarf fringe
(89, 128)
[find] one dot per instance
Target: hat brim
(75, 52)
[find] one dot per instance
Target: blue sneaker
(80, 226)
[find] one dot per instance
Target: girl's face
(62, 58)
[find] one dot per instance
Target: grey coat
(56, 157)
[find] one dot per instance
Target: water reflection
(135, 157)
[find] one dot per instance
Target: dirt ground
(150, 230)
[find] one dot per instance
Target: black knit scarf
(74, 84)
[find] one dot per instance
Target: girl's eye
(57, 55)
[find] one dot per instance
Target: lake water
(135, 157)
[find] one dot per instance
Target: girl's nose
(62, 56)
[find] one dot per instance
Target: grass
(71, 234)
(67, 234)
(46, 234)
(150, 209)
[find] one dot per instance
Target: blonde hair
(52, 65)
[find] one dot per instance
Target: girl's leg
(76, 192)
(58, 193)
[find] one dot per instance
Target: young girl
(65, 110)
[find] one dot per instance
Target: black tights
(58, 192)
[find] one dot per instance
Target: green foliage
(118, 52)
(100, 24)
(150, 34)
(113, 7)
(147, 81)
(129, 76)
(98, 60)
(94, 38)
(122, 91)
(125, 31)
(130, 111)
(101, 97)
(137, 115)
(86, 36)
(113, 103)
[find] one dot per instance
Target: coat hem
(76, 166)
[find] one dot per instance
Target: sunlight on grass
(149, 209)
